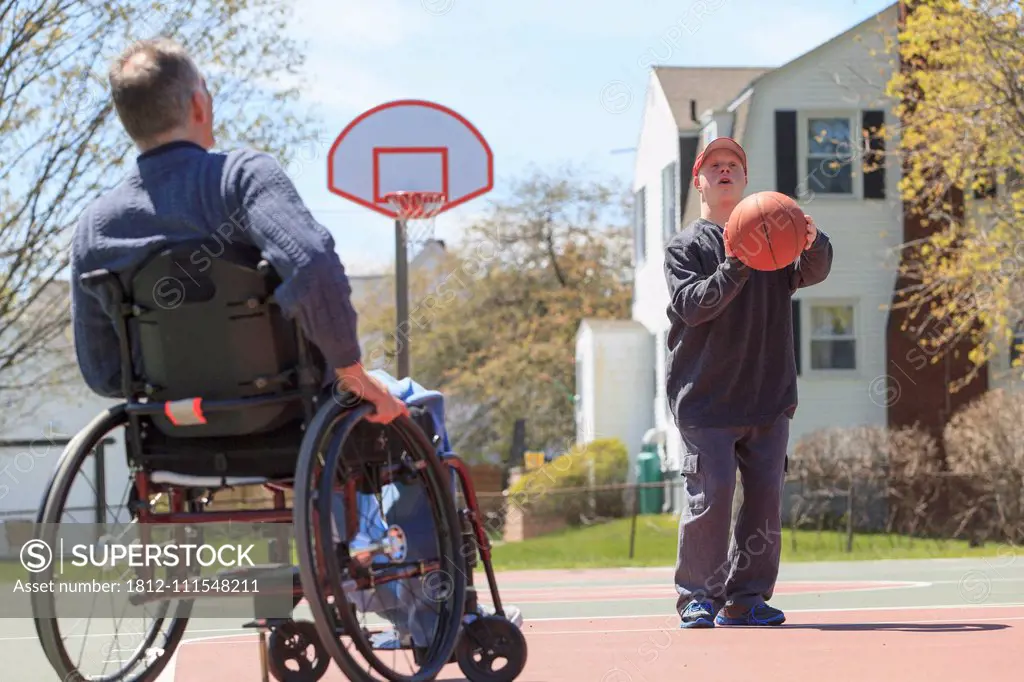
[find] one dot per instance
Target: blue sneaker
(759, 615)
(698, 614)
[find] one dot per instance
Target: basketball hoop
(417, 211)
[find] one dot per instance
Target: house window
(830, 145)
(1016, 343)
(833, 342)
(668, 201)
(640, 224)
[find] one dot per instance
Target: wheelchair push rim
(322, 573)
(146, 651)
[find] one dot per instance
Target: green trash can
(648, 466)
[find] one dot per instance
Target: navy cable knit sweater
(180, 192)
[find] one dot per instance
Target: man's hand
(356, 380)
(812, 232)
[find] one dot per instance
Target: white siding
(47, 416)
(585, 384)
(658, 147)
(1001, 374)
(863, 232)
(616, 382)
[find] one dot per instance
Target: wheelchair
(225, 392)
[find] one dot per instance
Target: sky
(547, 83)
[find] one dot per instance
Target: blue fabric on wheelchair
(405, 604)
(411, 393)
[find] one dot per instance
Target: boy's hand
(728, 250)
(812, 232)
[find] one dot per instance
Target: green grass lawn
(607, 546)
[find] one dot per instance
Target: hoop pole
(402, 299)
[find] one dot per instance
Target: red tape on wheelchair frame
(187, 412)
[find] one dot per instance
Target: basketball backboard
(409, 146)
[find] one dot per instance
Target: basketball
(767, 231)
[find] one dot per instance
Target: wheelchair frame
(178, 488)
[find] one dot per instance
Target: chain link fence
(925, 510)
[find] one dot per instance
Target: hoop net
(418, 211)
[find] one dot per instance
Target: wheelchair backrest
(207, 326)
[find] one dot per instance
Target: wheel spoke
(158, 631)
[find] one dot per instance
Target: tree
(494, 325)
(961, 107)
(62, 144)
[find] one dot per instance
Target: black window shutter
(796, 334)
(874, 180)
(785, 153)
(687, 156)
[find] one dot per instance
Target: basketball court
(913, 620)
(900, 620)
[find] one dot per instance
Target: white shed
(615, 382)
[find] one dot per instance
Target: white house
(855, 366)
(776, 115)
(614, 364)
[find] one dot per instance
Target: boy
(732, 390)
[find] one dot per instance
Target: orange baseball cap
(721, 143)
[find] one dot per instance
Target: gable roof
(711, 87)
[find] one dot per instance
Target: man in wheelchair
(234, 205)
(178, 191)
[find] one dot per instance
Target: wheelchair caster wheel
(295, 654)
(491, 649)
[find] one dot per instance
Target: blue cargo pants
(738, 568)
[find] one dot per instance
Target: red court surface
(849, 643)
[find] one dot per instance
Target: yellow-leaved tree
(961, 141)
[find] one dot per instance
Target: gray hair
(152, 95)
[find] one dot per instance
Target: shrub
(984, 445)
(872, 462)
(560, 486)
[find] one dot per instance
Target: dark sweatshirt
(730, 343)
(181, 192)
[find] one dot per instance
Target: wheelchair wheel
(373, 554)
(295, 654)
(140, 654)
(491, 649)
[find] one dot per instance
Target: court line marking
(831, 585)
(229, 632)
(249, 638)
(595, 593)
(576, 584)
(937, 607)
(168, 674)
(612, 595)
(917, 621)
